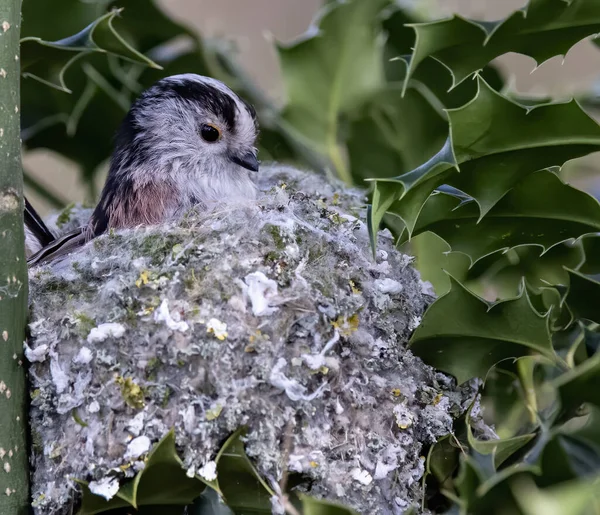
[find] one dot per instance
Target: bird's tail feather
(37, 234)
(59, 247)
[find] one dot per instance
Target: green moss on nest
(275, 233)
(152, 367)
(132, 393)
(166, 397)
(65, 216)
(85, 323)
(37, 442)
(272, 257)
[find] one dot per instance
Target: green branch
(14, 473)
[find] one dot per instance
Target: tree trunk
(14, 473)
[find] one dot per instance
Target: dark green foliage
(466, 336)
(163, 487)
(501, 215)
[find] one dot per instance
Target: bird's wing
(37, 234)
(61, 246)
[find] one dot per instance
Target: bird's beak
(247, 160)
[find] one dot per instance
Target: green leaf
(47, 61)
(404, 200)
(503, 397)
(465, 336)
(435, 261)
(392, 134)
(568, 457)
(312, 506)
(467, 482)
(432, 73)
(587, 427)
(543, 29)
(572, 498)
(541, 210)
(495, 143)
(501, 449)
(209, 503)
(443, 459)
(92, 504)
(482, 490)
(163, 481)
(591, 249)
(579, 385)
(495, 493)
(384, 195)
(329, 71)
(583, 297)
(245, 492)
(69, 15)
(503, 273)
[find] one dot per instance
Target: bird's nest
(273, 316)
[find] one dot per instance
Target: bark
(14, 473)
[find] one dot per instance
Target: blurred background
(252, 28)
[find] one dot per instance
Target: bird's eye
(210, 133)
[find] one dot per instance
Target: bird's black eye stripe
(202, 94)
(210, 133)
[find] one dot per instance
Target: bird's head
(184, 126)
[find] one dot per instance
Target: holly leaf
(494, 143)
(499, 450)
(92, 504)
(568, 457)
(503, 273)
(399, 46)
(482, 490)
(443, 459)
(406, 203)
(580, 384)
(540, 211)
(242, 487)
(583, 296)
(47, 61)
(312, 506)
(572, 497)
(209, 503)
(465, 336)
(329, 71)
(435, 261)
(543, 29)
(392, 133)
(162, 482)
(503, 396)
(591, 248)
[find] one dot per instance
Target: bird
(188, 140)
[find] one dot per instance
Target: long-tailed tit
(188, 140)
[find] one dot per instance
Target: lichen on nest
(272, 315)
